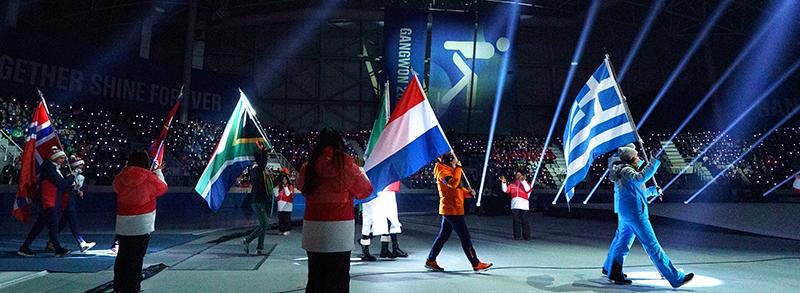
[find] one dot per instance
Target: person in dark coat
(262, 202)
(53, 185)
(69, 206)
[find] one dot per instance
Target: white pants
(378, 213)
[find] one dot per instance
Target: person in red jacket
(519, 191)
(330, 180)
(284, 191)
(451, 206)
(137, 189)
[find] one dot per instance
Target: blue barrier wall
(101, 199)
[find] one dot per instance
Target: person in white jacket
(519, 192)
(284, 192)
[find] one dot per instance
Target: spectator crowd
(102, 138)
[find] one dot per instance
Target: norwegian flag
(39, 140)
(157, 148)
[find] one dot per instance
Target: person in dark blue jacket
(53, 185)
(630, 204)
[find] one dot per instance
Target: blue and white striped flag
(598, 123)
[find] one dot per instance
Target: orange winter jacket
(451, 194)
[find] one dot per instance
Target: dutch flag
(412, 139)
(598, 123)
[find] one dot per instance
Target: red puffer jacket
(137, 190)
(333, 199)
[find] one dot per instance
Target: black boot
(616, 275)
(605, 273)
(365, 256)
(385, 253)
(688, 278)
(396, 247)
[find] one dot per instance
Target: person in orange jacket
(451, 206)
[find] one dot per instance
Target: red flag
(39, 139)
(157, 149)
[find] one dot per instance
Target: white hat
(626, 153)
(57, 153)
(76, 161)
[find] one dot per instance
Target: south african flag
(233, 154)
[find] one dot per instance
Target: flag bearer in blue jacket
(630, 205)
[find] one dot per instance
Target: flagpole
(624, 101)
(58, 140)
(161, 144)
(257, 122)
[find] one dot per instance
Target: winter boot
(385, 252)
(365, 256)
(616, 275)
(396, 247)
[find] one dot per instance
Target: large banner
(463, 83)
(75, 75)
(405, 32)
(452, 44)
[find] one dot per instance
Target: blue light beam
(782, 183)
(587, 29)
(750, 148)
(730, 127)
(510, 32)
(637, 43)
(718, 83)
(296, 39)
(686, 57)
(648, 23)
(597, 185)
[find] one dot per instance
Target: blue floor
(94, 260)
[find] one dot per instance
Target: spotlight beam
(738, 119)
(782, 183)
(599, 181)
(297, 38)
(587, 29)
(750, 148)
(648, 23)
(510, 32)
(746, 51)
(686, 57)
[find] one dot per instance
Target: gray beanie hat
(626, 153)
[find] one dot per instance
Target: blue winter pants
(639, 227)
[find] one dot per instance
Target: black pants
(521, 220)
(284, 221)
(70, 215)
(457, 223)
(128, 266)
(47, 217)
(328, 272)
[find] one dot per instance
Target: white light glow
(654, 279)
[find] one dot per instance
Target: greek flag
(598, 123)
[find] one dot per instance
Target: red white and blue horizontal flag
(412, 139)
